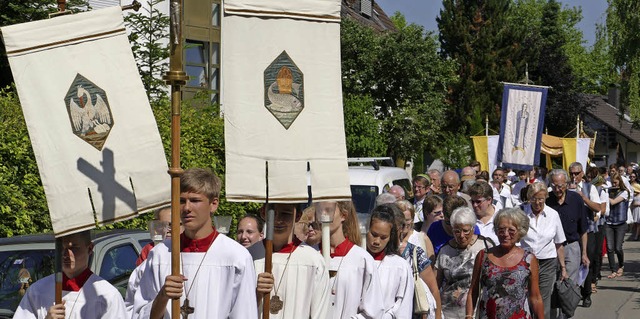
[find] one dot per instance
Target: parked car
(368, 179)
(114, 258)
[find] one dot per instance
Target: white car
(368, 181)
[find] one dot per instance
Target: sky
(424, 12)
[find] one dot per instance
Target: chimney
(614, 95)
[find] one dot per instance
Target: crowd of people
(464, 246)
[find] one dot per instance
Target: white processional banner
(93, 133)
(582, 151)
(492, 149)
(282, 100)
(521, 125)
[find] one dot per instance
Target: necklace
(333, 287)
(186, 310)
(275, 303)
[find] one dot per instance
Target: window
(119, 261)
(196, 63)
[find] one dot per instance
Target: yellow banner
(569, 148)
(480, 146)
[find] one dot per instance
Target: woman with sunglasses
(505, 278)
(544, 239)
(395, 273)
(454, 264)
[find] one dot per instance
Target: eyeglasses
(478, 201)
(419, 187)
(538, 200)
(315, 225)
(407, 225)
(445, 186)
(510, 231)
(462, 231)
(439, 212)
(559, 186)
(575, 173)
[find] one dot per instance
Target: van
(368, 179)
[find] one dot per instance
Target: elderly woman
(505, 277)
(544, 239)
(454, 264)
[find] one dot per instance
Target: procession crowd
(465, 246)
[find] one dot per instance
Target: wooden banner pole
(175, 77)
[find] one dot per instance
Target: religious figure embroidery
(522, 120)
(89, 112)
(284, 90)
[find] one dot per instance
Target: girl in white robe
(395, 273)
(355, 284)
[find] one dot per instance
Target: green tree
(148, 30)
(477, 36)
(553, 68)
(406, 80)
(14, 12)
(623, 27)
(23, 206)
(361, 127)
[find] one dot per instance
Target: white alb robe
(132, 286)
(96, 299)
(225, 286)
(304, 287)
(355, 289)
(396, 280)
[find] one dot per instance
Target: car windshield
(364, 197)
(19, 269)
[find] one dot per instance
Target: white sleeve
(244, 304)
(403, 307)
(148, 288)
(593, 195)
(26, 309)
(320, 300)
(132, 286)
(115, 306)
(371, 302)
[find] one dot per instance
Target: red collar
(188, 245)
(75, 284)
(378, 256)
(288, 248)
(342, 249)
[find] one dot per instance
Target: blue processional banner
(521, 125)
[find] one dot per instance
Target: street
(619, 297)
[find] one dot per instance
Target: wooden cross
(185, 310)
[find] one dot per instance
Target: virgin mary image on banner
(521, 125)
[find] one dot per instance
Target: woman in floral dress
(507, 275)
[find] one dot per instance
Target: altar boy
(218, 278)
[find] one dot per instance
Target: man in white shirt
(84, 294)
(217, 277)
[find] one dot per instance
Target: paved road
(619, 297)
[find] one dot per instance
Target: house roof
(379, 20)
(610, 115)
